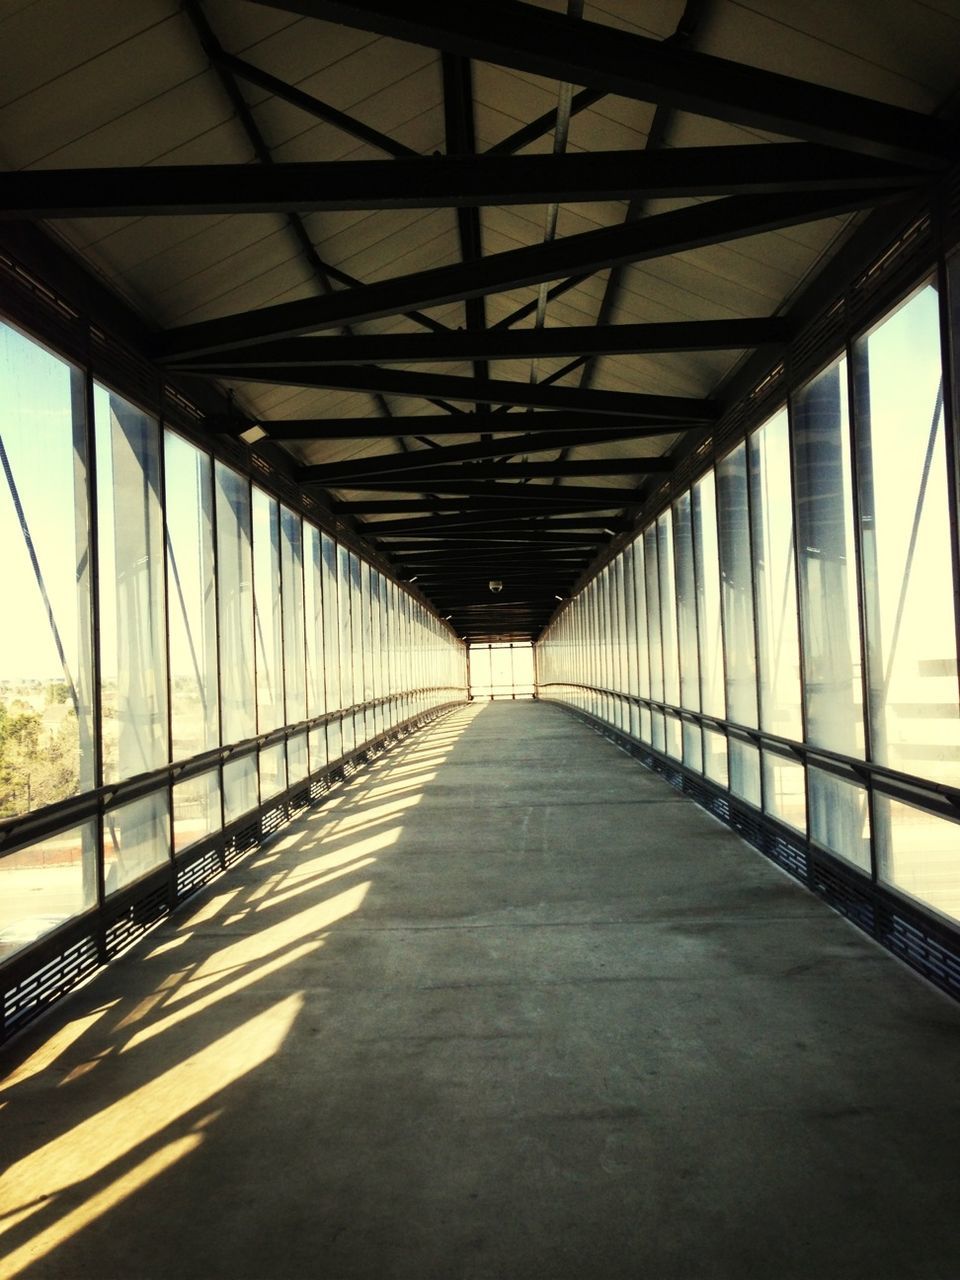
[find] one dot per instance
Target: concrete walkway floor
(506, 1006)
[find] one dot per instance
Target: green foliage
(37, 767)
(58, 692)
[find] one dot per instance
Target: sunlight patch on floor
(59, 1171)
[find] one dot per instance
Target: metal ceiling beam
(425, 553)
(544, 124)
(480, 503)
(413, 540)
(683, 36)
(464, 585)
(586, 496)
(437, 425)
(461, 150)
(569, 542)
(512, 523)
(388, 464)
(403, 382)
(311, 105)
(499, 533)
(658, 236)
(214, 50)
(505, 344)
(544, 558)
(528, 38)
(460, 181)
(477, 507)
(533, 470)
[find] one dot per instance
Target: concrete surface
(507, 1006)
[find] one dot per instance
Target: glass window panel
(136, 839)
(192, 600)
(313, 608)
(357, 644)
(784, 796)
(619, 628)
(653, 613)
(658, 731)
(692, 747)
(674, 737)
(646, 725)
(640, 603)
(366, 612)
(267, 611)
(631, 673)
(317, 741)
(827, 563)
(291, 576)
(707, 558)
(331, 643)
(909, 592)
(196, 809)
(273, 771)
(775, 579)
(839, 819)
(736, 590)
(297, 763)
(239, 787)
(376, 645)
(46, 712)
(715, 757)
(345, 642)
(920, 855)
(238, 695)
(744, 768)
(131, 600)
(686, 603)
(668, 611)
(45, 884)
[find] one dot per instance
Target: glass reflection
(46, 681)
(133, 650)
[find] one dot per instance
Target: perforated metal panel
(33, 993)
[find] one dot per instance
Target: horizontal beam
(493, 565)
(504, 344)
(471, 541)
(477, 503)
(528, 38)
(401, 382)
(388, 464)
(587, 497)
(497, 537)
(472, 585)
(657, 236)
(460, 506)
(452, 181)
(536, 470)
(427, 555)
(513, 522)
(442, 425)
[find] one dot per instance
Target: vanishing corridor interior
(479, 694)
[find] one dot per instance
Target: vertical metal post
(801, 643)
(97, 691)
(853, 411)
(165, 534)
(751, 544)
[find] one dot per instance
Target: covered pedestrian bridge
(479, 690)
